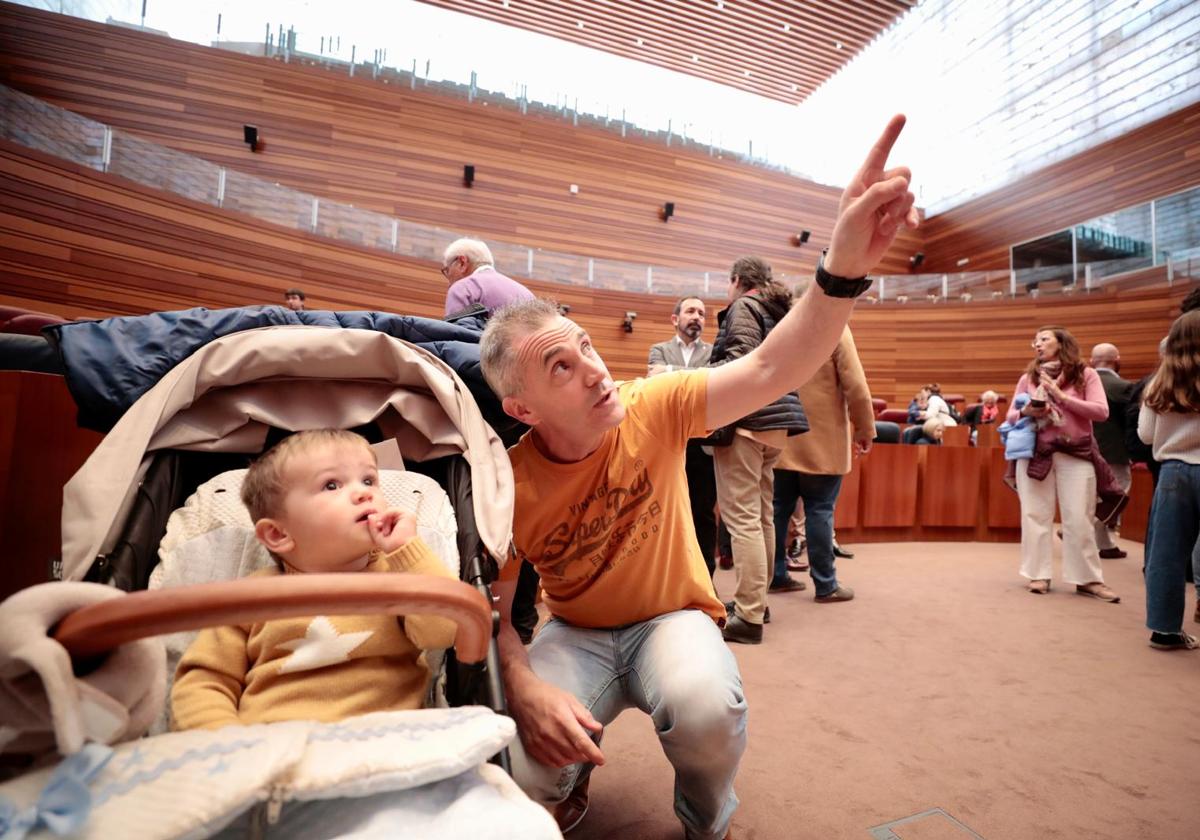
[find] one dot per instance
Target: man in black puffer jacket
(745, 464)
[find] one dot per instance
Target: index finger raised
(877, 157)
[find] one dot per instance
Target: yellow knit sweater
(324, 668)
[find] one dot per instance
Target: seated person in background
(989, 411)
(917, 409)
(1019, 439)
(317, 507)
(938, 407)
(469, 268)
(931, 432)
(294, 299)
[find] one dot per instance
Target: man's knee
(540, 782)
(707, 709)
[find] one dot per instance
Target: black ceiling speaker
(668, 210)
(250, 134)
(802, 237)
(468, 175)
(916, 259)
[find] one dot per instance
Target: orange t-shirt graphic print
(611, 535)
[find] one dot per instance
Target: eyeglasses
(446, 268)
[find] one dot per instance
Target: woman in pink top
(1066, 397)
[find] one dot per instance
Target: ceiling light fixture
(837, 45)
(638, 42)
(746, 73)
(580, 25)
(787, 27)
(695, 59)
(794, 88)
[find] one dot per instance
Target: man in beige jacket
(838, 404)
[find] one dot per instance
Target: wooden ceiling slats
(730, 40)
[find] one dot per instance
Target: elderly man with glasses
(468, 266)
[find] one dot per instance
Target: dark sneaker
(569, 813)
(842, 593)
(766, 613)
(741, 631)
(788, 584)
(1113, 554)
(1173, 641)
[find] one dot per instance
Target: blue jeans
(1171, 544)
(819, 493)
(675, 668)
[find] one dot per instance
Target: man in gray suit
(1110, 434)
(687, 350)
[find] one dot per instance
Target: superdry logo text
(624, 518)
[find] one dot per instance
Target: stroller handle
(99, 628)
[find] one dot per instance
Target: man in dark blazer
(1110, 434)
(688, 350)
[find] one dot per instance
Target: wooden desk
(987, 436)
(40, 449)
(956, 436)
(846, 513)
(889, 493)
(950, 485)
(1136, 516)
(1003, 505)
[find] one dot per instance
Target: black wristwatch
(840, 287)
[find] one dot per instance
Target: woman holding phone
(1066, 397)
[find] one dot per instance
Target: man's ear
(674, 320)
(519, 410)
(272, 535)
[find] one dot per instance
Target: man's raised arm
(873, 207)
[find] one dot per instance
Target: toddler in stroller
(317, 507)
(395, 773)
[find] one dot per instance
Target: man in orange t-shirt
(602, 512)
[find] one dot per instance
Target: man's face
(455, 268)
(689, 323)
(294, 303)
(331, 491)
(566, 388)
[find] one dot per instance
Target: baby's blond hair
(265, 484)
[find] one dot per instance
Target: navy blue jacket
(111, 362)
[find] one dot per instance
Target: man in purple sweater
(467, 264)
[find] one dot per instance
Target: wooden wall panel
(1155, 160)
(81, 244)
(400, 151)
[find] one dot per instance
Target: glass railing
(36, 124)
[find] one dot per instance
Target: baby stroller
(407, 773)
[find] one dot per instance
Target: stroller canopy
(229, 393)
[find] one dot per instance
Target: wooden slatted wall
(399, 151)
(79, 243)
(1155, 160)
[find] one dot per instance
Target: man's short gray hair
(497, 348)
(476, 252)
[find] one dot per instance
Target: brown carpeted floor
(944, 684)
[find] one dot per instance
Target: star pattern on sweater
(322, 645)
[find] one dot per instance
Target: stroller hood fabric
(110, 363)
(226, 396)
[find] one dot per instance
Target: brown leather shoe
(737, 629)
(1098, 590)
(569, 813)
